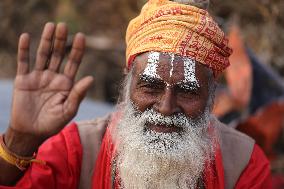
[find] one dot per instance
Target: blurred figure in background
(252, 101)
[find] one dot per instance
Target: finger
(59, 47)
(75, 56)
(23, 54)
(76, 96)
(43, 51)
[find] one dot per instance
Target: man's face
(163, 133)
(169, 84)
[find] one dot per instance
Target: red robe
(63, 156)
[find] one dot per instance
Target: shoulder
(91, 133)
(231, 139)
(90, 128)
(236, 149)
(257, 173)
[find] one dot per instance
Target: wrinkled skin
(171, 99)
(44, 100)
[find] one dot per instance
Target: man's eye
(151, 86)
(187, 90)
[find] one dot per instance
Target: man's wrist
(22, 144)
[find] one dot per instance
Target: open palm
(45, 100)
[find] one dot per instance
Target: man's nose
(167, 104)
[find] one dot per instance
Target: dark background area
(105, 22)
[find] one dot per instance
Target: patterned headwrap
(185, 30)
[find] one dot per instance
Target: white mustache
(176, 120)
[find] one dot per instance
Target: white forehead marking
(172, 64)
(151, 68)
(190, 81)
(189, 70)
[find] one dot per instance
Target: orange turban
(185, 30)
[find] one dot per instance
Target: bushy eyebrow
(150, 79)
(185, 85)
(192, 86)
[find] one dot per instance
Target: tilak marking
(189, 82)
(172, 64)
(151, 68)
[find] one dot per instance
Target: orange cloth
(185, 30)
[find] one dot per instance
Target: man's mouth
(164, 128)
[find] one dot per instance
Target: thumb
(77, 94)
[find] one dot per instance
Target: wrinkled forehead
(170, 67)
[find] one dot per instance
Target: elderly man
(162, 134)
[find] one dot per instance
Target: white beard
(150, 160)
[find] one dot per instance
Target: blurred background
(251, 92)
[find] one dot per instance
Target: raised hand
(45, 100)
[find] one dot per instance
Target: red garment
(63, 154)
